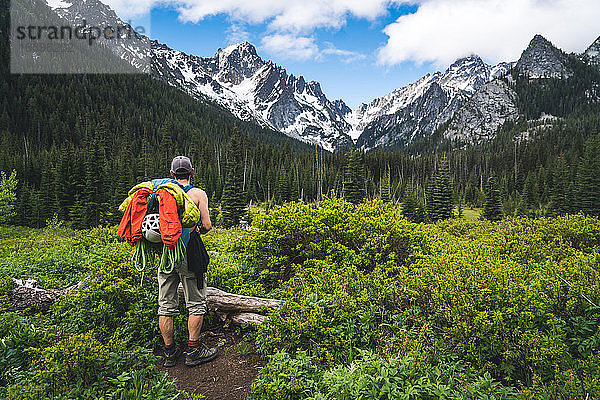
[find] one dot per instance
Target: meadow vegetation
(375, 307)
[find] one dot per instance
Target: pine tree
(558, 197)
(93, 199)
(440, 194)
(588, 178)
(385, 187)
(48, 195)
(233, 200)
(354, 178)
(492, 208)
(285, 191)
(412, 210)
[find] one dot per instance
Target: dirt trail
(228, 377)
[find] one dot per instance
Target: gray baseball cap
(181, 165)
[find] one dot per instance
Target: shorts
(168, 300)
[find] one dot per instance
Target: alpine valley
(466, 104)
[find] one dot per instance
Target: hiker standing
(192, 279)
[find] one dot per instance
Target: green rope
(143, 256)
(172, 257)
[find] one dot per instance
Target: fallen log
(230, 307)
(28, 296)
(236, 308)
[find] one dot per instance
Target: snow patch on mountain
(418, 109)
(593, 52)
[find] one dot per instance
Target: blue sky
(355, 78)
(362, 49)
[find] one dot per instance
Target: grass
(469, 214)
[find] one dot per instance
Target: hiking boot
(199, 354)
(171, 355)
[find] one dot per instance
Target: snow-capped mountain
(418, 109)
(95, 13)
(471, 99)
(237, 78)
(495, 102)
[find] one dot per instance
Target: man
(195, 298)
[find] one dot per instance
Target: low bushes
(374, 307)
(517, 300)
(96, 344)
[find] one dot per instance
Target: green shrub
(372, 377)
(287, 378)
(516, 299)
(75, 359)
(296, 232)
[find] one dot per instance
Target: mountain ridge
(253, 88)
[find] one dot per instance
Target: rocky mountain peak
(593, 52)
(243, 49)
(237, 62)
(341, 107)
(542, 60)
(462, 63)
(466, 74)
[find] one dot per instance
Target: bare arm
(199, 197)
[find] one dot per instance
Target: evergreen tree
(233, 201)
(385, 186)
(92, 200)
(588, 178)
(8, 196)
(412, 210)
(558, 197)
(354, 178)
(285, 190)
(440, 194)
(492, 208)
(48, 195)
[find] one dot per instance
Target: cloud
(130, 9)
(347, 56)
(237, 33)
(498, 30)
(280, 15)
(305, 48)
(290, 46)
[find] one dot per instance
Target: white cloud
(498, 30)
(304, 48)
(128, 9)
(237, 33)
(280, 15)
(290, 46)
(347, 56)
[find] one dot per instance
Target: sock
(170, 349)
(193, 343)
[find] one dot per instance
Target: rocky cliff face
(481, 116)
(417, 110)
(542, 60)
(495, 102)
(592, 54)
